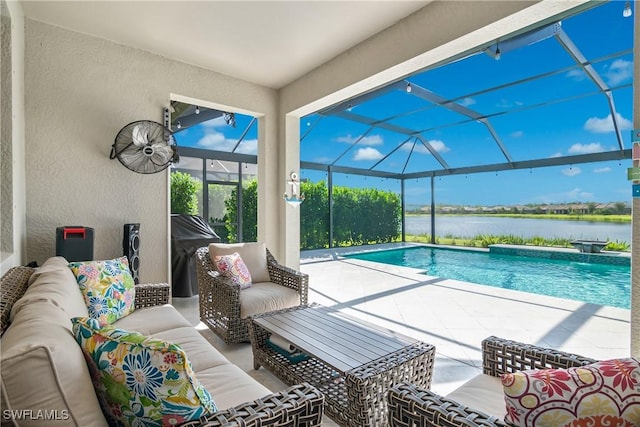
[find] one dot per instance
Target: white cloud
(619, 71)
(576, 75)
(517, 134)
(573, 171)
(367, 153)
(367, 140)
(504, 103)
(214, 140)
(554, 155)
(578, 194)
(571, 195)
(324, 159)
(604, 125)
(248, 146)
(594, 147)
(465, 102)
(437, 145)
(215, 123)
(602, 170)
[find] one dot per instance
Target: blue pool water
(601, 284)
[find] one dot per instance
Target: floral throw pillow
(604, 393)
(233, 267)
(141, 380)
(107, 287)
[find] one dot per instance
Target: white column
(291, 234)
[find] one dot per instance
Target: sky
(555, 110)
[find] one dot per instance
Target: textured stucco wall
(6, 126)
(80, 92)
(13, 170)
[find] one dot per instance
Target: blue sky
(524, 116)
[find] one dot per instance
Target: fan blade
(140, 134)
(162, 154)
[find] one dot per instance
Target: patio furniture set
(359, 373)
(368, 375)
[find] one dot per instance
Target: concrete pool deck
(456, 316)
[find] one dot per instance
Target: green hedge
(249, 213)
(360, 215)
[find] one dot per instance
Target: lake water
(469, 226)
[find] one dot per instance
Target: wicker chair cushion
(141, 379)
(254, 255)
(266, 297)
(233, 267)
(574, 396)
(53, 281)
(483, 393)
(107, 286)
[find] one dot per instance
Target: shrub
(184, 193)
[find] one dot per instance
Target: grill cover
(188, 233)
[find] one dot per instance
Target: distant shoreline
(619, 218)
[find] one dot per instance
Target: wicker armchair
(219, 298)
(301, 405)
(412, 406)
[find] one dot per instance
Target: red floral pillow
(605, 393)
(233, 267)
(601, 421)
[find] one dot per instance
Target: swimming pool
(601, 284)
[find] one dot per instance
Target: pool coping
(547, 252)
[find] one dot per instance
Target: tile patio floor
(454, 316)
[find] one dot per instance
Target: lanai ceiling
(271, 43)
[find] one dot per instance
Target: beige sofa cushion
(55, 282)
(230, 386)
(43, 368)
(254, 255)
(265, 297)
(201, 354)
(484, 393)
(151, 320)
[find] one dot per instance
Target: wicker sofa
(225, 308)
(480, 401)
(43, 368)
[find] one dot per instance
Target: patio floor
(454, 316)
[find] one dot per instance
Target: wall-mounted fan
(145, 146)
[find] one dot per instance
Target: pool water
(602, 284)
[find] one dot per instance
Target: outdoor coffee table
(351, 361)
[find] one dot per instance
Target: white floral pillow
(140, 380)
(233, 267)
(107, 287)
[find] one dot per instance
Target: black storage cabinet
(188, 233)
